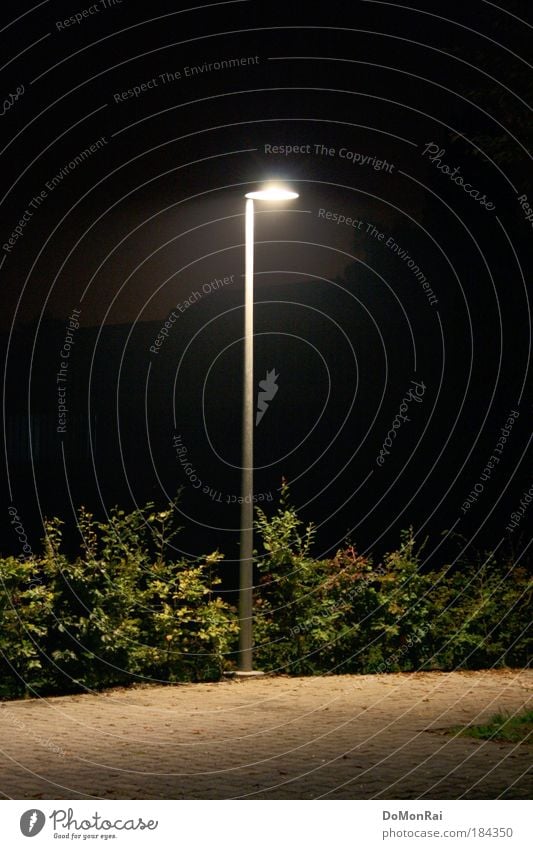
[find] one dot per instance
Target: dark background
(158, 212)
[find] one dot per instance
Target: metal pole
(247, 507)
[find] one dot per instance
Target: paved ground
(345, 737)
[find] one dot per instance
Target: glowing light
(273, 192)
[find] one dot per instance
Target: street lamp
(271, 192)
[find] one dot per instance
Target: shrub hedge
(118, 613)
(123, 611)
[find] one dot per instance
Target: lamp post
(272, 192)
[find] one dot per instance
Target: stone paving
(334, 737)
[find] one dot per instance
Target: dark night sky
(350, 95)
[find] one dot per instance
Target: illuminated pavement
(342, 737)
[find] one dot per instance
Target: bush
(344, 614)
(26, 611)
(340, 614)
(482, 614)
(117, 613)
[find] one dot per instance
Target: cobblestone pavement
(338, 737)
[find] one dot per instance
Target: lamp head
(272, 191)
